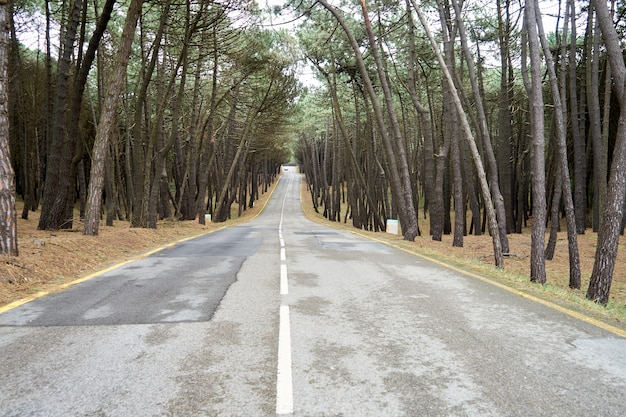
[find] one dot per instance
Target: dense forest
(481, 117)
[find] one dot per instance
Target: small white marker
(283, 256)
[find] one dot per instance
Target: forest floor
(48, 260)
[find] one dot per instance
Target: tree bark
(409, 223)
(595, 124)
(505, 122)
(490, 158)
(106, 123)
(578, 137)
(560, 115)
(537, 148)
(491, 216)
(610, 225)
(396, 182)
(60, 153)
(8, 215)
(427, 129)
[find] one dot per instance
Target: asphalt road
(284, 316)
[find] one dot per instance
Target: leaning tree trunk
(559, 112)
(490, 158)
(491, 215)
(355, 165)
(106, 123)
(410, 227)
(611, 221)
(395, 180)
(8, 215)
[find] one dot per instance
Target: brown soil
(49, 259)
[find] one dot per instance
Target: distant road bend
(282, 316)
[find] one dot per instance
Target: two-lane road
(284, 316)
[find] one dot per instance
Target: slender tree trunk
(344, 133)
(505, 117)
(106, 123)
(109, 187)
(578, 137)
(428, 146)
(459, 200)
(8, 215)
(139, 157)
(491, 215)
(560, 113)
(490, 158)
(554, 213)
(537, 148)
(409, 217)
(395, 180)
(20, 139)
(207, 147)
(60, 152)
(611, 222)
(595, 124)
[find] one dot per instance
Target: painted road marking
(284, 386)
(284, 283)
(284, 383)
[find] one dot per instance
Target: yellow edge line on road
(62, 287)
(590, 320)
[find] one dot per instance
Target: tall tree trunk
(408, 219)
(17, 120)
(578, 137)
(138, 156)
(592, 76)
(106, 123)
(58, 183)
(611, 222)
(395, 179)
(457, 177)
(355, 165)
(207, 147)
(427, 134)
(560, 116)
(491, 215)
(8, 215)
(537, 148)
(490, 158)
(505, 117)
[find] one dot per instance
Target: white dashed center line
(284, 384)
